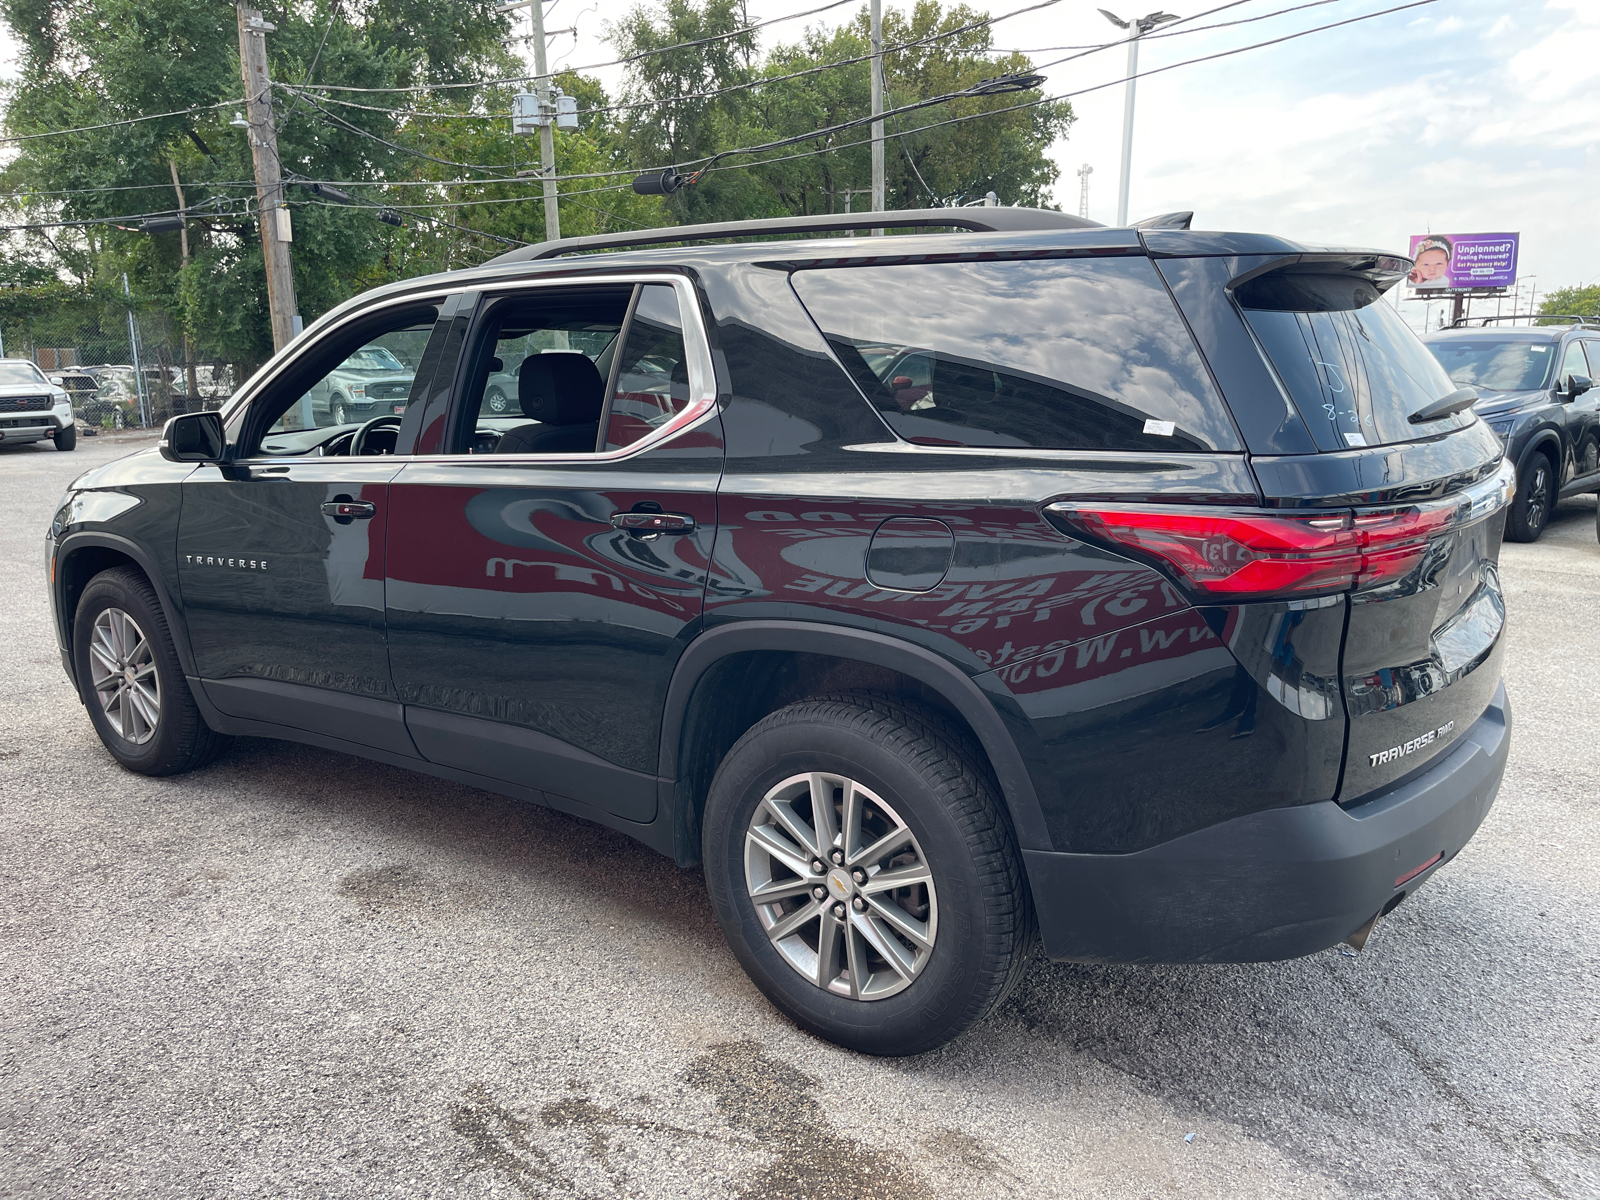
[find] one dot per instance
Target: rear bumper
(1276, 884)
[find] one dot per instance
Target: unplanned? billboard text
(1463, 260)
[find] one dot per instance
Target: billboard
(1463, 260)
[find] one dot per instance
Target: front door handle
(346, 510)
(647, 524)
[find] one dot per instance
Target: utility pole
(547, 131)
(877, 108)
(183, 245)
(545, 116)
(1083, 189)
(276, 233)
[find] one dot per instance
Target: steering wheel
(358, 440)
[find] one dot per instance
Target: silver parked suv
(32, 408)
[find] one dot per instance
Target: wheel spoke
(828, 938)
(783, 812)
(796, 920)
(883, 847)
(897, 877)
(145, 704)
(141, 649)
(776, 845)
(125, 712)
(822, 817)
(102, 657)
(854, 803)
(781, 889)
(914, 930)
(856, 960)
(884, 943)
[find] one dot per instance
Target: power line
(619, 62)
(180, 112)
(1078, 92)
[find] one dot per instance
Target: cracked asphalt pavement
(299, 974)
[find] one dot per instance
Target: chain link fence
(124, 368)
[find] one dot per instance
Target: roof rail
(983, 219)
(1466, 322)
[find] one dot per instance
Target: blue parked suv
(1007, 577)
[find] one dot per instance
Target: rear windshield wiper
(1443, 407)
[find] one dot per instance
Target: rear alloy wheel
(865, 874)
(131, 681)
(855, 912)
(495, 401)
(1535, 498)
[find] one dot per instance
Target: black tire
(338, 413)
(920, 767)
(67, 439)
(1536, 497)
(181, 739)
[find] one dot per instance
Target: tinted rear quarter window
(1353, 367)
(1060, 354)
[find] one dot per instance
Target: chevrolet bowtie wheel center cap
(839, 884)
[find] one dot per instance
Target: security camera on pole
(1136, 29)
(545, 109)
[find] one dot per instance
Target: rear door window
(652, 379)
(1353, 367)
(1040, 353)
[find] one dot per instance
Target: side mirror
(1577, 385)
(194, 438)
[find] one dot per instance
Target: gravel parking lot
(300, 974)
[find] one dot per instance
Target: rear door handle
(359, 510)
(646, 524)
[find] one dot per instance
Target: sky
(1456, 116)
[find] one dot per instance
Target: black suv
(1134, 588)
(1536, 390)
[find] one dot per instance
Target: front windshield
(372, 358)
(24, 373)
(1495, 365)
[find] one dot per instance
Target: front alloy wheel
(841, 886)
(131, 681)
(340, 415)
(123, 669)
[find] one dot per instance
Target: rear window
(1044, 353)
(1495, 366)
(1354, 369)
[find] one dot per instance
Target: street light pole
(1136, 28)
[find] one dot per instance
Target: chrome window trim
(702, 375)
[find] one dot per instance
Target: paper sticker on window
(1160, 428)
(1355, 439)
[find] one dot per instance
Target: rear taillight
(1252, 554)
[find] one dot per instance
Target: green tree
(927, 162)
(1573, 301)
